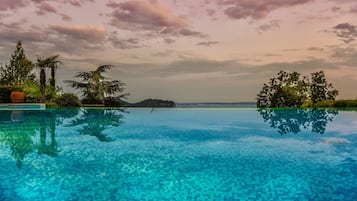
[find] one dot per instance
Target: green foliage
(328, 103)
(32, 92)
(67, 100)
(51, 63)
(289, 90)
(113, 102)
(345, 103)
(18, 70)
(95, 87)
(286, 90)
(307, 103)
(320, 89)
(5, 93)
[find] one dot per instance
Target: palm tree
(95, 87)
(52, 63)
(41, 64)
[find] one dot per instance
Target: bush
(324, 104)
(5, 93)
(113, 102)
(67, 100)
(345, 103)
(91, 100)
(32, 92)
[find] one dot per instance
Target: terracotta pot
(17, 97)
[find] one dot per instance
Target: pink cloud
(45, 8)
(11, 4)
(85, 33)
(148, 15)
(66, 17)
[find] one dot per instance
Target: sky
(188, 50)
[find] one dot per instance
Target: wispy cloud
(207, 43)
(271, 25)
(254, 9)
(12, 4)
(315, 49)
(346, 32)
(169, 40)
(129, 43)
(45, 8)
(91, 34)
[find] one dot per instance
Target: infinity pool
(178, 154)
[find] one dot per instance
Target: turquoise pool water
(178, 154)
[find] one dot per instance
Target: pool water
(178, 154)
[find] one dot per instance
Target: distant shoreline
(217, 104)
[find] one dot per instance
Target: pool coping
(22, 106)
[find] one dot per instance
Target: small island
(152, 103)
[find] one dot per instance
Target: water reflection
(94, 122)
(297, 120)
(25, 132)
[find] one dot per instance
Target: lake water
(178, 154)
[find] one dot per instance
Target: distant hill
(153, 103)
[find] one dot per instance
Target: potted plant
(17, 95)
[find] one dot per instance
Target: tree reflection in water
(94, 122)
(296, 120)
(24, 132)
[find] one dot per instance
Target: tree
(52, 62)
(320, 89)
(289, 90)
(43, 64)
(95, 87)
(18, 70)
(285, 90)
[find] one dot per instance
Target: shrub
(67, 100)
(32, 92)
(113, 102)
(91, 100)
(329, 103)
(345, 103)
(5, 93)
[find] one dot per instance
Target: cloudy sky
(189, 50)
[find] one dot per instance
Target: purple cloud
(346, 32)
(274, 24)
(255, 9)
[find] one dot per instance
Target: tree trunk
(43, 85)
(53, 75)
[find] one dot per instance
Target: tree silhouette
(96, 87)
